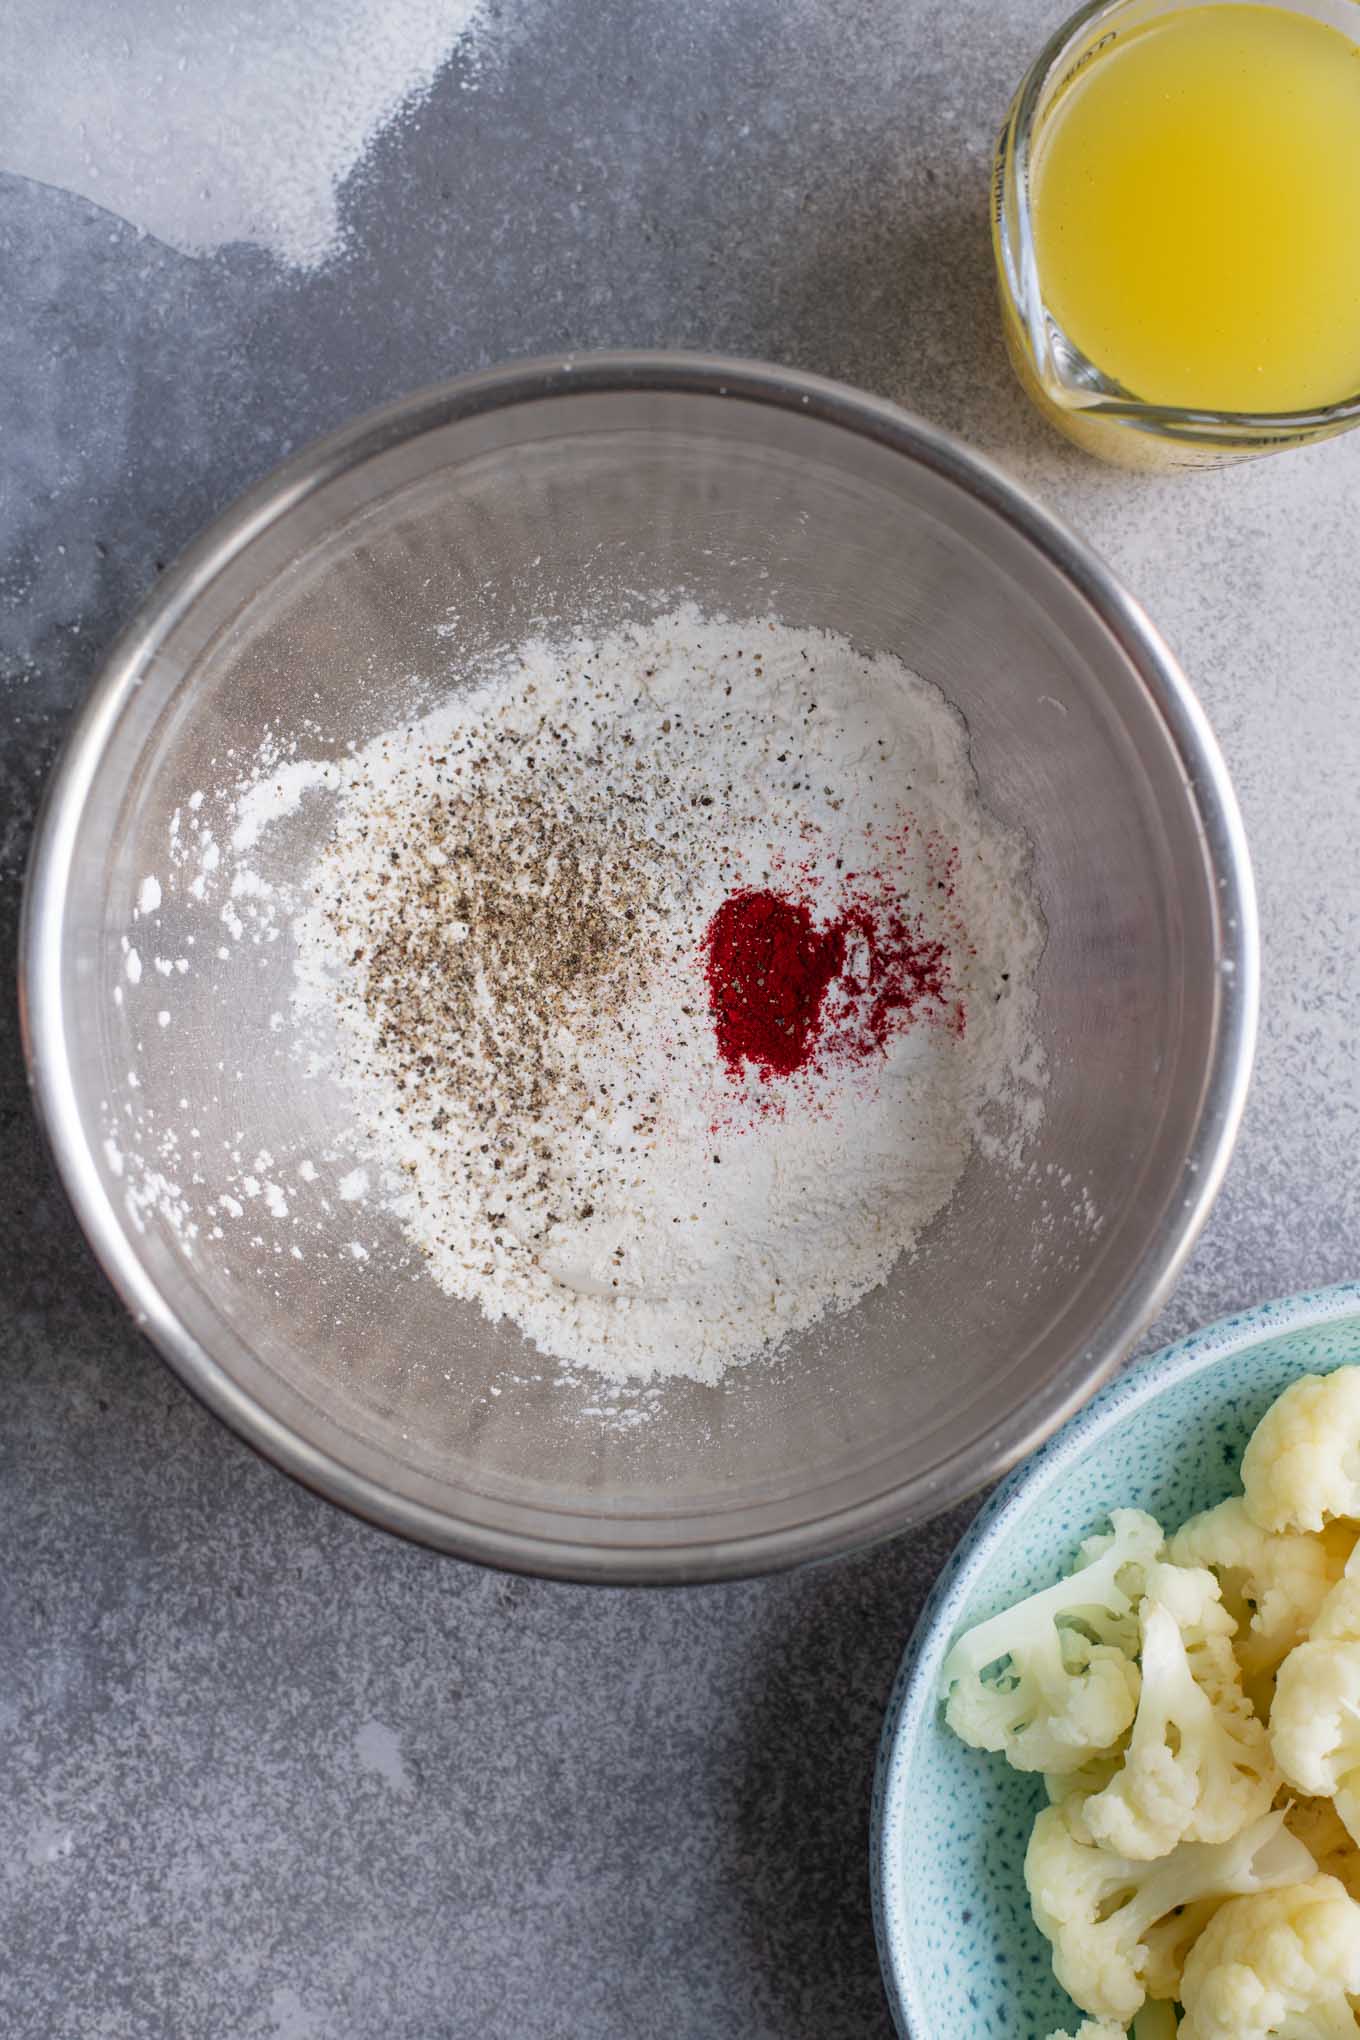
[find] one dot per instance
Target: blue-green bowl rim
(915, 1693)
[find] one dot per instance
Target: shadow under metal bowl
(584, 492)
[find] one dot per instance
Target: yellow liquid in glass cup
(1178, 229)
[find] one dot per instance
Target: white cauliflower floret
(1198, 1765)
(1327, 1839)
(1272, 1582)
(1315, 1723)
(1071, 1789)
(1097, 1909)
(1301, 1467)
(1052, 1680)
(1315, 1715)
(1278, 1966)
(1339, 1614)
(1090, 2029)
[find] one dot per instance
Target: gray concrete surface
(262, 1771)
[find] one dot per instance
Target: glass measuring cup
(1078, 395)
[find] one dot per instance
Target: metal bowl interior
(377, 563)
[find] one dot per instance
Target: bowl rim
(915, 1693)
(733, 1553)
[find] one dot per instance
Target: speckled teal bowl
(961, 1957)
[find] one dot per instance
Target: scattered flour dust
(505, 954)
(205, 122)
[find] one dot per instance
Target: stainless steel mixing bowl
(584, 491)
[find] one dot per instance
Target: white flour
(592, 1167)
(205, 122)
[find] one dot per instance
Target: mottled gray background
(262, 1771)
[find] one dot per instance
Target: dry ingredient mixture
(673, 978)
(659, 986)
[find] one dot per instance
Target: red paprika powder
(769, 969)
